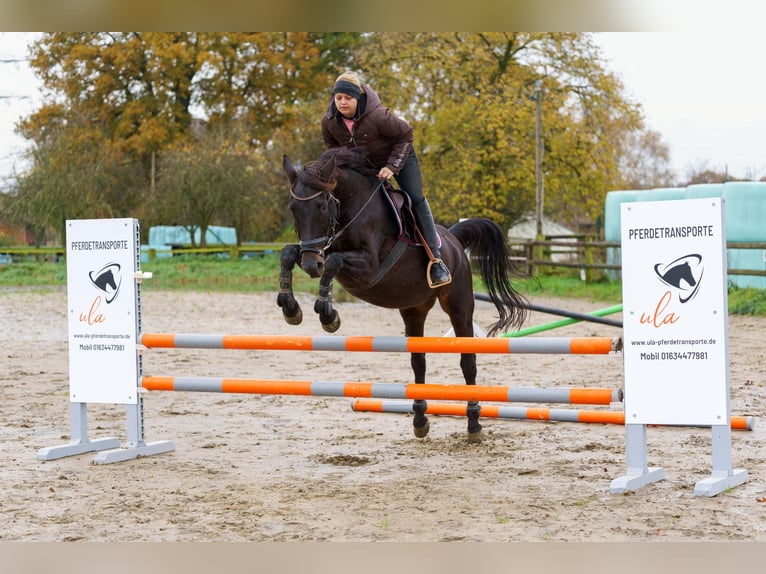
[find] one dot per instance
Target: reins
(358, 213)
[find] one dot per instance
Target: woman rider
(356, 118)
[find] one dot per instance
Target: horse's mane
(345, 158)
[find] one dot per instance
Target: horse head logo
(108, 280)
(683, 275)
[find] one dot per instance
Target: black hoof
(475, 437)
(421, 431)
(333, 324)
(295, 319)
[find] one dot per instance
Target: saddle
(409, 233)
(401, 206)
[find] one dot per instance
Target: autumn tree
(469, 97)
(135, 95)
(135, 102)
(645, 161)
(68, 181)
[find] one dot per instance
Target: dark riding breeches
(410, 180)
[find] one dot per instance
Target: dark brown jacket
(386, 138)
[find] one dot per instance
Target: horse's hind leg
(414, 322)
(291, 310)
(462, 323)
(420, 424)
(473, 409)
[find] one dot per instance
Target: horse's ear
(327, 169)
(289, 168)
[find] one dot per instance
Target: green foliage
(258, 273)
(558, 286)
(6, 239)
(472, 101)
(117, 137)
(32, 274)
(747, 301)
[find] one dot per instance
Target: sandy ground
(280, 468)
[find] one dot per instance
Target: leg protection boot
(437, 273)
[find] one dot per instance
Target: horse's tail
(487, 244)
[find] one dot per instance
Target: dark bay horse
(347, 231)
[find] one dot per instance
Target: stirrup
(431, 284)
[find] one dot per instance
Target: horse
(348, 232)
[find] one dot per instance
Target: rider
(356, 118)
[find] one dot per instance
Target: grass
(32, 274)
(261, 273)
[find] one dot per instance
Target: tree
(645, 161)
(201, 179)
(468, 95)
(134, 95)
(130, 101)
(703, 173)
(67, 183)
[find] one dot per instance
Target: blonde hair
(351, 77)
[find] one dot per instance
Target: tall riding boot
(437, 274)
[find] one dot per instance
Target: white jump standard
(104, 315)
(675, 321)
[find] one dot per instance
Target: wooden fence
(7, 254)
(578, 254)
(589, 256)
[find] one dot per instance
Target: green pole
(562, 322)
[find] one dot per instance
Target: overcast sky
(19, 90)
(704, 92)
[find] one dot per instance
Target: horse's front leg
(291, 310)
(328, 316)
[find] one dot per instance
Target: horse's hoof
(422, 431)
(475, 437)
(295, 319)
(333, 325)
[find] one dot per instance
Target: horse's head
(687, 275)
(677, 273)
(314, 210)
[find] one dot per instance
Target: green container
(702, 190)
(745, 221)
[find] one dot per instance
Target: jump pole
(564, 322)
(588, 396)
(592, 317)
(516, 413)
(497, 345)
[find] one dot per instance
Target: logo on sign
(108, 280)
(684, 275)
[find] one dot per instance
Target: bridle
(333, 205)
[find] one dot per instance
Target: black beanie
(346, 87)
